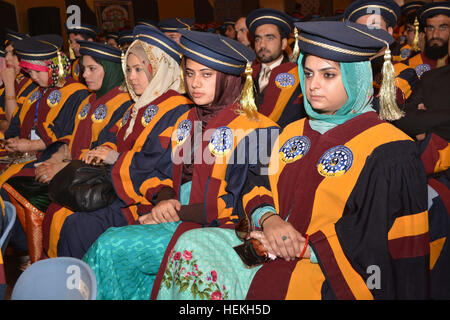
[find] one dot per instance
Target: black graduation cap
(156, 38)
(11, 35)
(432, 9)
(345, 41)
(223, 54)
(112, 35)
(53, 39)
(388, 9)
(411, 7)
(173, 24)
(229, 22)
(100, 50)
(83, 28)
(35, 49)
(216, 51)
(341, 41)
(147, 22)
(125, 36)
(262, 16)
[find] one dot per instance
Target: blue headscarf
(357, 78)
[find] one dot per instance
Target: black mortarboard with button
(125, 36)
(432, 9)
(83, 28)
(346, 41)
(100, 51)
(388, 9)
(262, 16)
(11, 35)
(174, 24)
(157, 38)
(216, 51)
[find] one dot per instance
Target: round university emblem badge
(84, 111)
(221, 141)
(125, 118)
(183, 130)
(294, 148)
(34, 96)
(149, 113)
(54, 98)
(422, 68)
(335, 162)
(100, 113)
(284, 80)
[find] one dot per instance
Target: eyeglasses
(252, 252)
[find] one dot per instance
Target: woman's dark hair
(228, 87)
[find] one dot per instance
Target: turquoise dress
(126, 260)
(204, 266)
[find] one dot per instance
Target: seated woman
(200, 177)
(102, 71)
(344, 208)
(133, 145)
(16, 84)
(48, 113)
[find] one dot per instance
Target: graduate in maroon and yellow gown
(435, 19)
(97, 113)
(83, 32)
(342, 210)
(383, 14)
(16, 84)
(198, 181)
(134, 144)
(276, 77)
(47, 114)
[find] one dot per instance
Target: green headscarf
(113, 76)
(357, 78)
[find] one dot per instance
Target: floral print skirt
(203, 265)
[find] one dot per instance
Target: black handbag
(83, 187)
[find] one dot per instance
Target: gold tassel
(415, 44)
(182, 87)
(247, 102)
(61, 74)
(296, 51)
(71, 53)
(388, 105)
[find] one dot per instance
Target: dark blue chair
(62, 278)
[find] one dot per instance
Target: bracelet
(10, 97)
(304, 248)
(262, 222)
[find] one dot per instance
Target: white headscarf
(166, 75)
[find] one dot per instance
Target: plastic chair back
(62, 278)
(8, 223)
